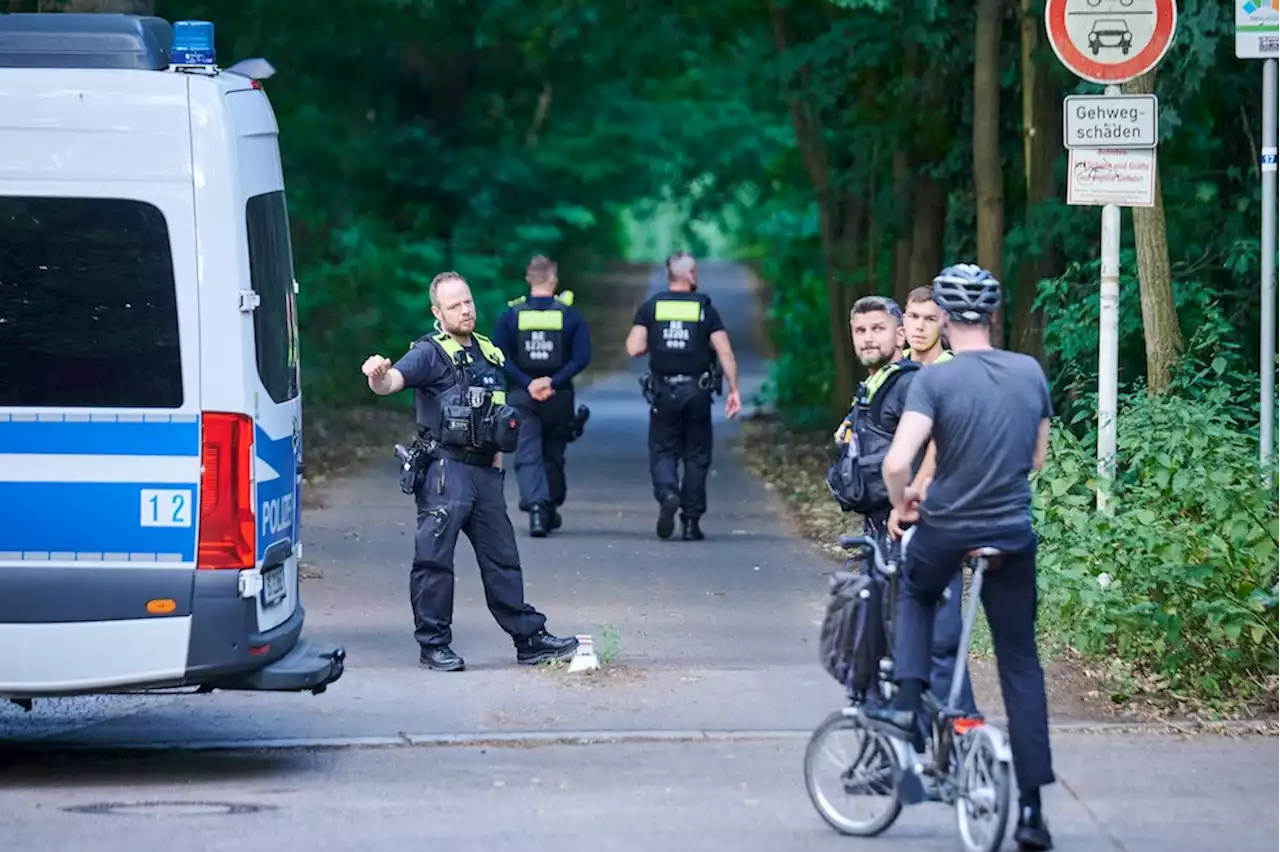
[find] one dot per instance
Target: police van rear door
(272, 356)
(99, 379)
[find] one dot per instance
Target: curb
(602, 737)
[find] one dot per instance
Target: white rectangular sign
(1115, 121)
(1122, 176)
(1257, 29)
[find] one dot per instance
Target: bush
(1178, 579)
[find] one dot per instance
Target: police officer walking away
(680, 330)
(546, 344)
(456, 478)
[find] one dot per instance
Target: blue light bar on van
(192, 43)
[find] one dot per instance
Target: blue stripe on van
(277, 510)
(89, 517)
(101, 437)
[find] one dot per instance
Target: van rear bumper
(308, 667)
(226, 653)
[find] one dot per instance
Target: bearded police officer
(546, 344)
(877, 330)
(680, 330)
(454, 470)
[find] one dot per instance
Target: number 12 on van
(166, 508)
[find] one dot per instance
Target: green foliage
(1178, 579)
(419, 137)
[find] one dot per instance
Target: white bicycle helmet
(967, 292)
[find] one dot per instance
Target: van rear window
(275, 320)
(88, 312)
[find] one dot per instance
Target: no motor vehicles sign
(1110, 41)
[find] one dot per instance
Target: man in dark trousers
(460, 409)
(679, 329)
(988, 412)
(546, 344)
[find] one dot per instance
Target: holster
(646, 388)
(414, 461)
(579, 423)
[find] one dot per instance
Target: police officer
(546, 344)
(464, 422)
(680, 329)
(923, 322)
(876, 327)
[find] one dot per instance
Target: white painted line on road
(605, 737)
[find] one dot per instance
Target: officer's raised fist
(375, 367)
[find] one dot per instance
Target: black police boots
(691, 531)
(440, 658)
(539, 520)
(667, 514)
(542, 647)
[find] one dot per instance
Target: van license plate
(273, 590)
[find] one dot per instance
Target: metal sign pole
(1113, 141)
(1266, 428)
(1108, 343)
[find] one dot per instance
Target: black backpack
(852, 640)
(855, 481)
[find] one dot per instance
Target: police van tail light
(226, 495)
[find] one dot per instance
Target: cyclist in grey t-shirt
(987, 412)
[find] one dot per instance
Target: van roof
(75, 40)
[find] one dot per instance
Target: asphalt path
(697, 723)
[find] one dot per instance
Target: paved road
(714, 636)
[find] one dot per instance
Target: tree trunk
(839, 215)
(1041, 121)
(988, 177)
(929, 223)
(1155, 278)
(903, 182)
(872, 238)
(902, 206)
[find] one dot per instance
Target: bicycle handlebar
(849, 542)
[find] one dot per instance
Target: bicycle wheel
(865, 773)
(982, 806)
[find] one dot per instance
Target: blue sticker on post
(192, 43)
(1268, 159)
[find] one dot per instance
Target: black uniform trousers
(539, 458)
(934, 557)
(948, 623)
(457, 497)
(680, 431)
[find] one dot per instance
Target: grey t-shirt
(986, 408)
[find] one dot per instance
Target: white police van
(150, 450)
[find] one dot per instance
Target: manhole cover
(169, 808)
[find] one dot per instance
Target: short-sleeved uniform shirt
(679, 345)
(986, 407)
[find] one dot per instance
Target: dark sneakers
(667, 514)
(440, 658)
(692, 532)
(1032, 832)
(542, 647)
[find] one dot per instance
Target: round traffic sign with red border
(1110, 41)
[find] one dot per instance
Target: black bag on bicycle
(852, 639)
